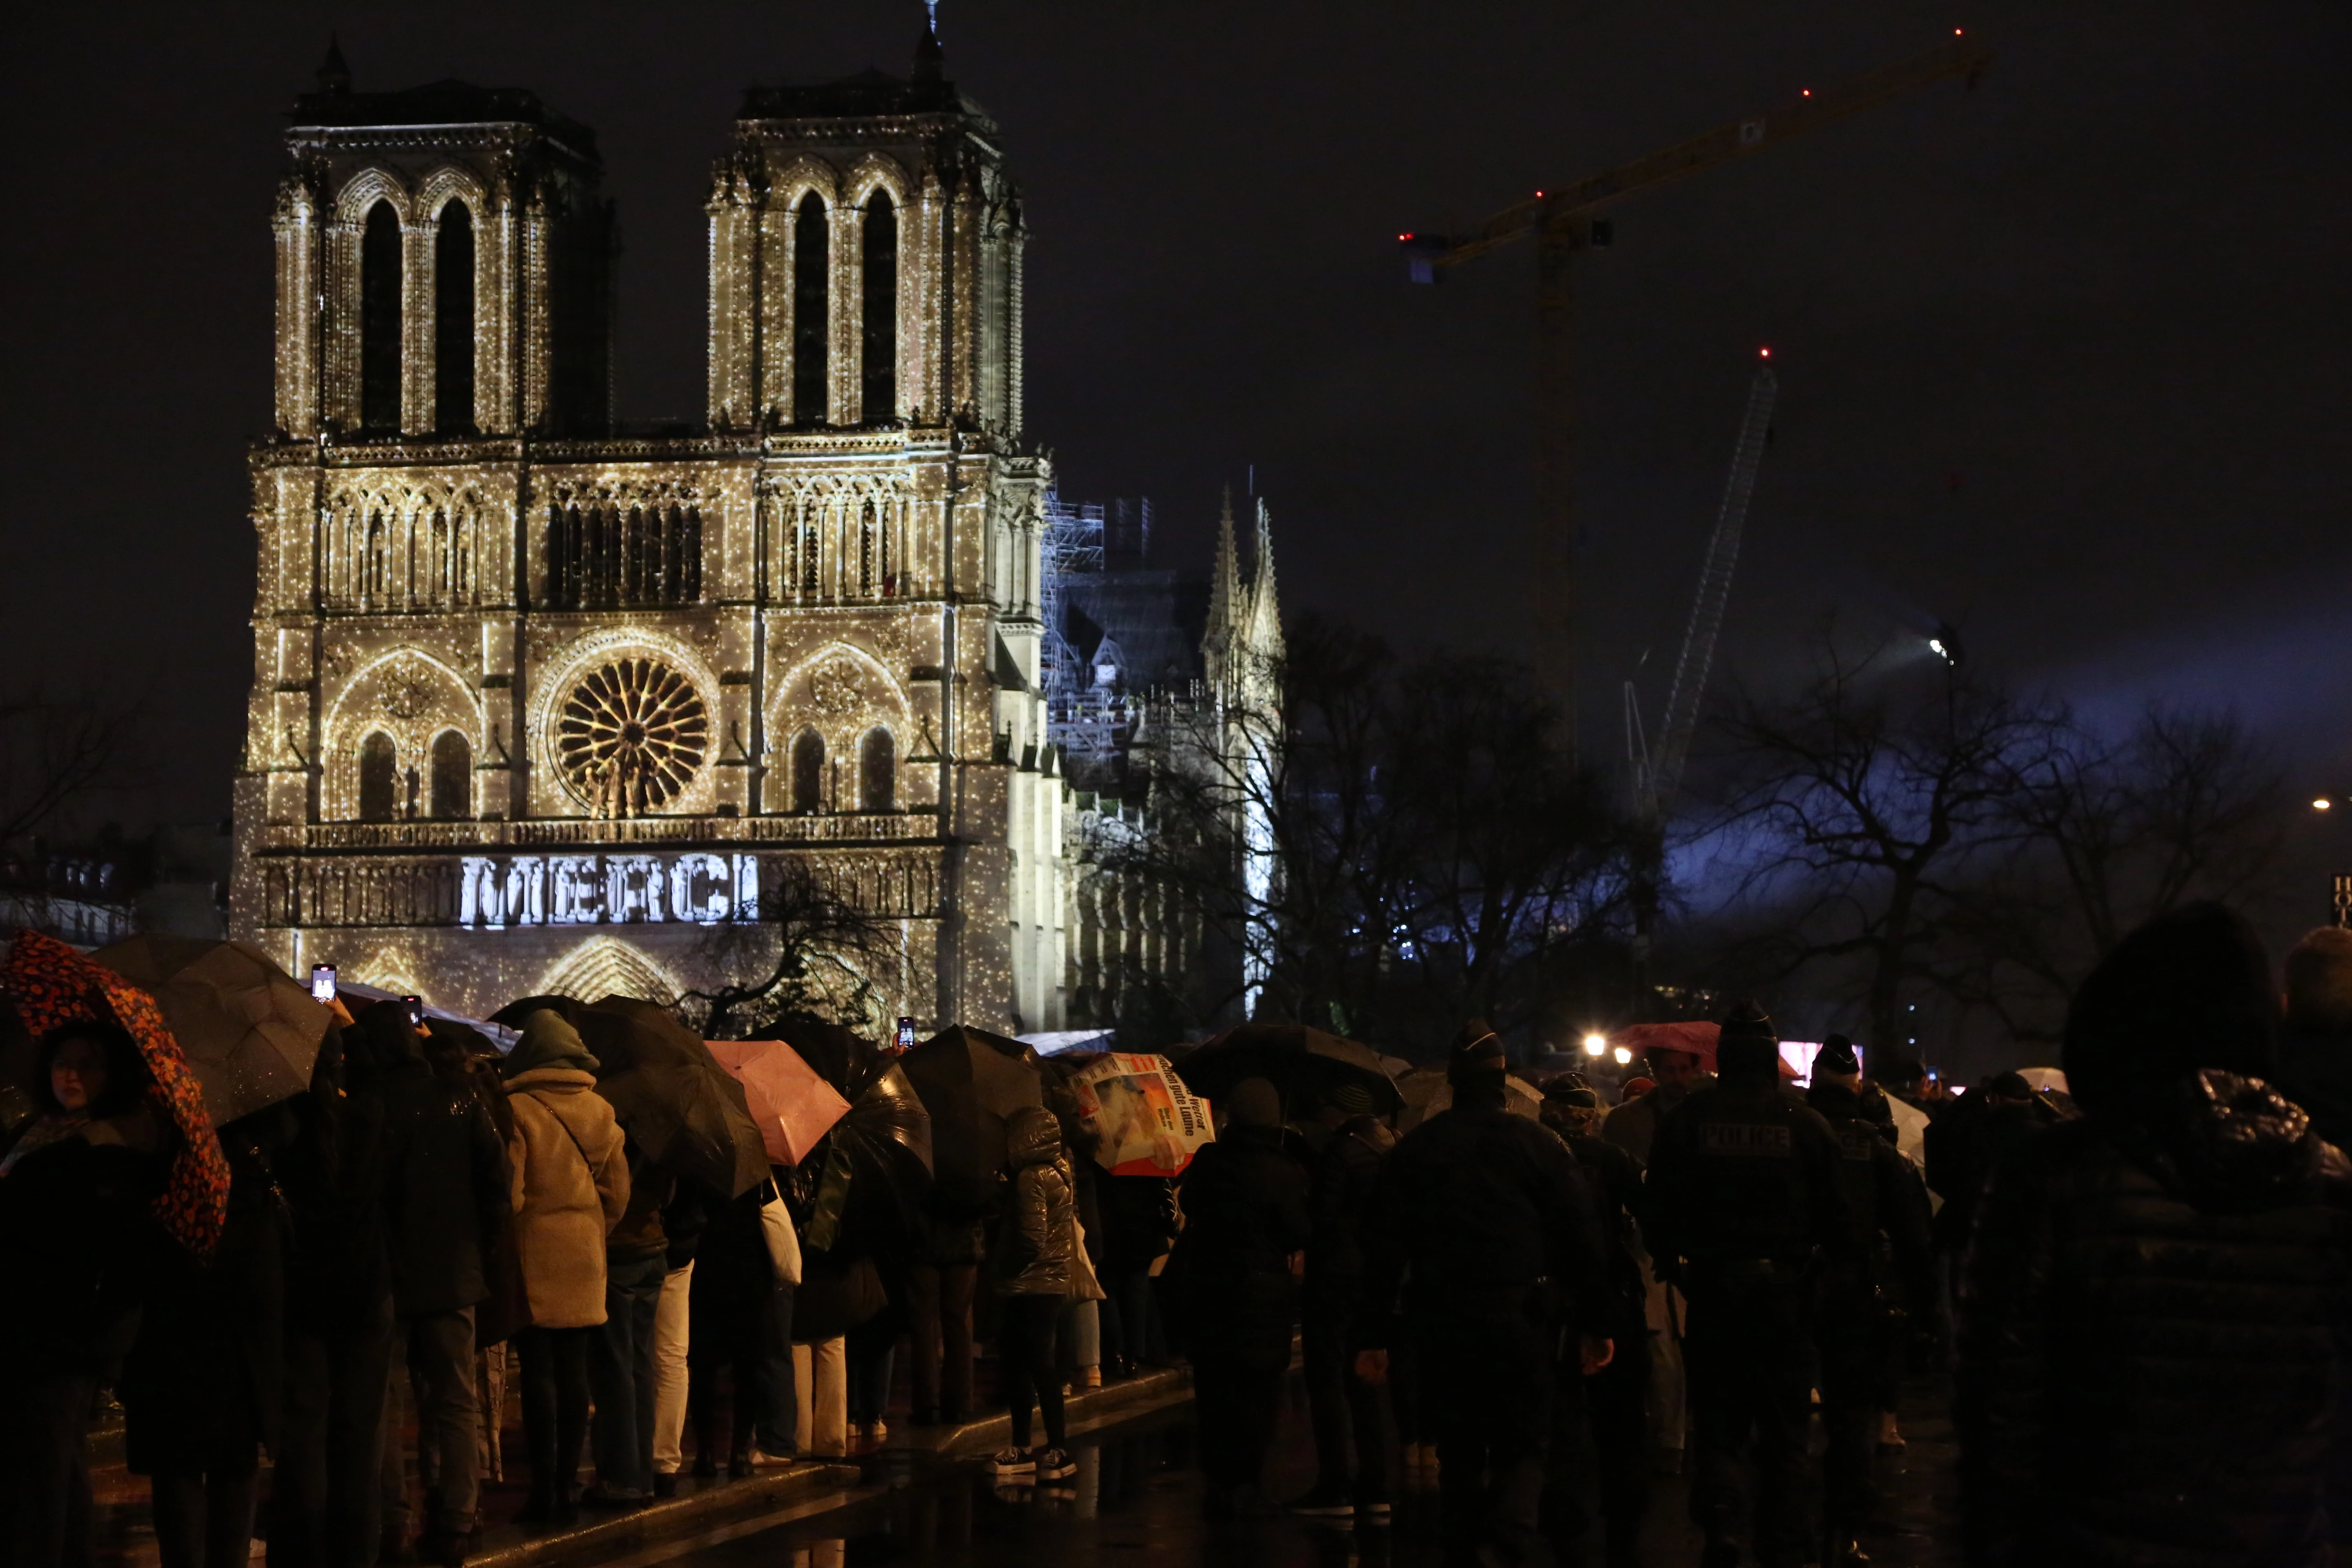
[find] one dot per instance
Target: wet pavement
(1136, 1499)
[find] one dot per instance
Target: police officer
(1883, 1264)
(1491, 1214)
(1600, 1430)
(1747, 1197)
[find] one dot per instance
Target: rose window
(631, 737)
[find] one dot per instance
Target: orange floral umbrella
(53, 984)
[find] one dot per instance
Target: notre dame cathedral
(542, 705)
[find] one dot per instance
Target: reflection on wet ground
(1136, 1499)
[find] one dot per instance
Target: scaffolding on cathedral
(1090, 714)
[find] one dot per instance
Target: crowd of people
(2142, 1287)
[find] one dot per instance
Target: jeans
(1342, 1404)
(672, 1320)
(620, 1374)
(940, 1303)
(1749, 1353)
(873, 1353)
(325, 1505)
(781, 1412)
(1027, 1356)
(554, 1410)
(434, 1353)
(43, 1466)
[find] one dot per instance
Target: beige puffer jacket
(571, 1184)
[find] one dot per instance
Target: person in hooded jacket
(78, 1244)
(1343, 1406)
(1034, 1261)
(325, 1507)
(1885, 1265)
(570, 1187)
(1495, 1220)
(1746, 1201)
(445, 1200)
(1599, 1435)
(1246, 1224)
(2152, 1314)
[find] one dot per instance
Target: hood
(2241, 1143)
(548, 1041)
(1032, 1137)
(2188, 991)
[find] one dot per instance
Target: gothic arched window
(453, 320)
(379, 779)
(380, 290)
(808, 773)
(868, 547)
(812, 264)
(877, 771)
(453, 776)
(879, 366)
(690, 538)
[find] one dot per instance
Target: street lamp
(1624, 1057)
(1594, 1045)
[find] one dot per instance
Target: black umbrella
(969, 1082)
(864, 1180)
(673, 1099)
(1301, 1061)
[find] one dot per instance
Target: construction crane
(1563, 225)
(1657, 778)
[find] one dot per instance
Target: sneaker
(1016, 1462)
(763, 1460)
(1053, 1464)
(877, 1432)
(1094, 1377)
(1325, 1502)
(1374, 1506)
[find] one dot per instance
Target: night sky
(2066, 360)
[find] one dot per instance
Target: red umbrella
(792, 1104)
(1696, 1038)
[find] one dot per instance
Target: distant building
(174, 882)
(540, 704)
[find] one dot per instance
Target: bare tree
(56, 751)
(1861, 808)
(808, 949)
(2108, 832)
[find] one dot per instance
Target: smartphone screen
(906, 1034)
(322, 982)
(415, 1005)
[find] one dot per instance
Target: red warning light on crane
(1764, 354)
(1808, 93)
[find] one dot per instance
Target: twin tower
(541, 704)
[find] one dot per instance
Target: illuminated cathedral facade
(540, 705)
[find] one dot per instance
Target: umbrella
(793, 1107)
(498, 1035)
(250, 1031)
(1427, 1093)
(52, 985)
(2045, 1077)
(1151, 1124)
(672, 1098)
(877, 1164)
(1696, 1037)
(1300, 1059)
(970, 1080)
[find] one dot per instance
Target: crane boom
(1733, 139)
(1714, 593)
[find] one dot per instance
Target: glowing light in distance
(1809, 92)
(2322, 804)
(1595, 1044)
(1764, 354)
(1624, 1057)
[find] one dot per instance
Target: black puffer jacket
(2149, 1341)
(1033, 1248)
(2153, 1313)
(445, 1177)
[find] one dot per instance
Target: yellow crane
(1562, 222)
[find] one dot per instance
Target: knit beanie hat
(548, 1042)
(1748, 1043)
(1255, 1102)
(1477, 1052)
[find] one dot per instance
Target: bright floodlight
(1595, 1044)
(2322, 803)
(1624, 1057)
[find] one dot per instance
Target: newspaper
(1151, 1125)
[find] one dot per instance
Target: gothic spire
(1225, 579)
(928, 54)
(334, 75)
(1266, 616)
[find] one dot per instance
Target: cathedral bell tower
(865, 259)
(444, 265)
